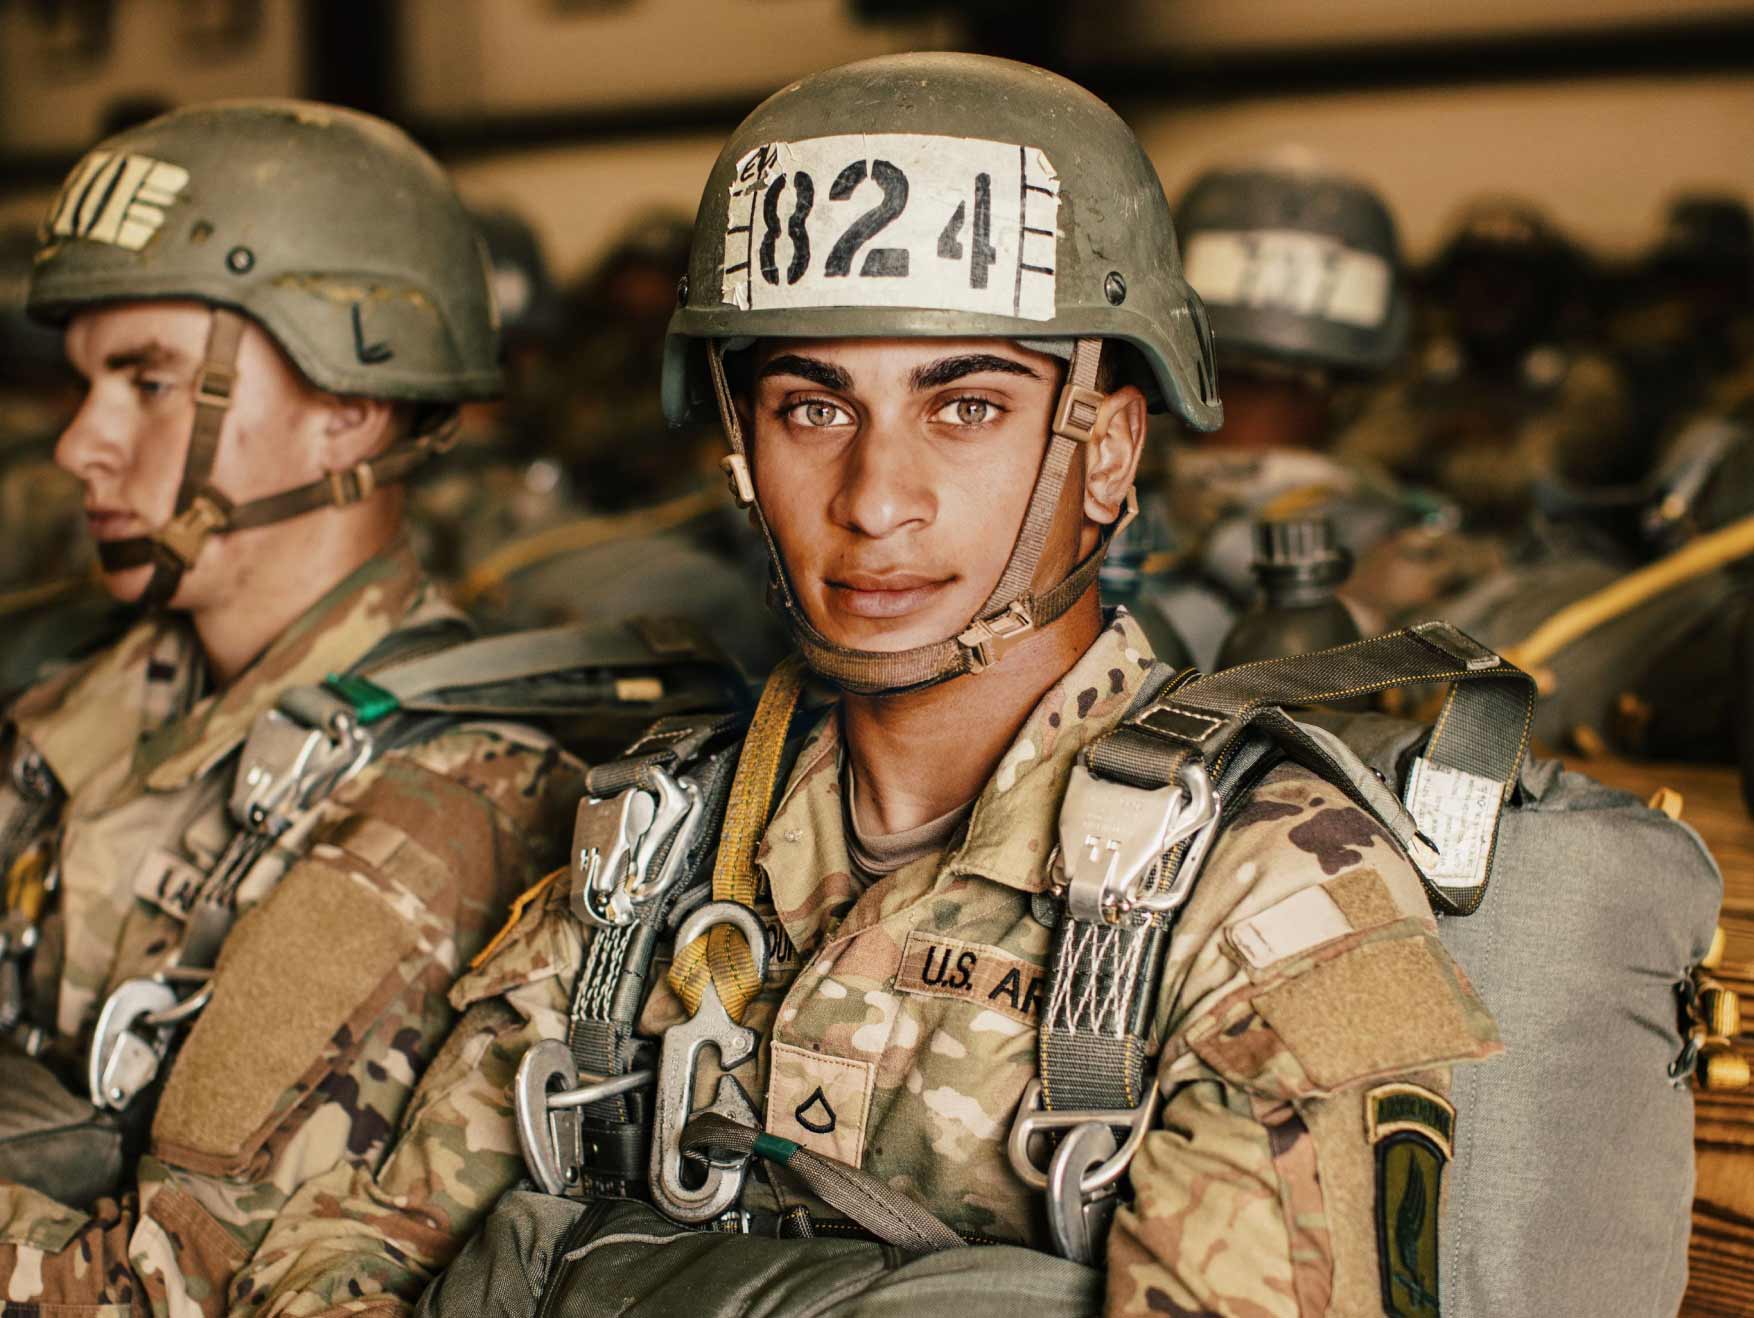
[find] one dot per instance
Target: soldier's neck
(917, 756)
(283, 579)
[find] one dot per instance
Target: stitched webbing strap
(1010, 613)
(722, 955)
(1100, 986)
(612, 983)
(876, 1206)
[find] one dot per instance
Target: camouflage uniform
(908, 1011)
(329, 995)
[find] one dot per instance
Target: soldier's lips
(110, 523)
(884, 595)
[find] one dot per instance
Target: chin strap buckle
(736, 469)
(183, 536)
(989, 640)
(354, 485)
(1075, 415)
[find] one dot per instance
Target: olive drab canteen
(937, 195)
(329, 228)
(1296, 266)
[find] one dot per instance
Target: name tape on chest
(893, 220)
(1306, 274)
(936, 967)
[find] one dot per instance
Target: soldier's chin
(127, 585)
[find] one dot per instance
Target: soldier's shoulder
(1297, 831)
(57, 691)
(519, 770)
(541, 939)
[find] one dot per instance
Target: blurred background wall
(583, 113)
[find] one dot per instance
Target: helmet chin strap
(1011, 613)
(203, 511)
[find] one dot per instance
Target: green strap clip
(369, 700)
(775, 1148)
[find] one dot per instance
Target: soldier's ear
(1111, 457)
(355, 428)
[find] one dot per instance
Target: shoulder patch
(1412, 1130)
(1397, 1108)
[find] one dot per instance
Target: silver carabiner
(606, 835)
(122, 1061)
(679, 817)
(616, 841)
(1078, 1223)
(286, 765)
(710, 1025)
(547, 1117)
(1033, 1119)
(1112, 836)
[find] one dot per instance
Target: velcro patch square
(1303, 920)
(820, 1101)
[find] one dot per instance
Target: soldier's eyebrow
(814, 369)
(948, 370)
(149, 354)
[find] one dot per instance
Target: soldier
(616, 510)
(275, 307)
(1302, 271)
(501, 481)
(933, 355)
(1504, 401)
(1684, 330)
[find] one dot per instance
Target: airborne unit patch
(1413, 1132)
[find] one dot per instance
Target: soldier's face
(895, 473)
(128, 440)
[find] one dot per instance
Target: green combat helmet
(331, 230)
(1297, 267)
(941, 195)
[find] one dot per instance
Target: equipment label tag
(1458, 812)
(893, 220)
(1306, 274)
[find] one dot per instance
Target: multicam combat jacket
(329, 993)
(899, 1033)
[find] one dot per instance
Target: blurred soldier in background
(1637, 657)
(51, 605)
(611, 513)
(1683, 329)
(1302, 273)
(502, 481)
(1504, 402)
(257, 383)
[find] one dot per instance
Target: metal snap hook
(711, 1025)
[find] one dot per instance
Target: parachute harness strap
(723, 955)
(1010, 614)
(203, 511)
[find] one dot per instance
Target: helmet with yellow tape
(328, 228)
(934, 196)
